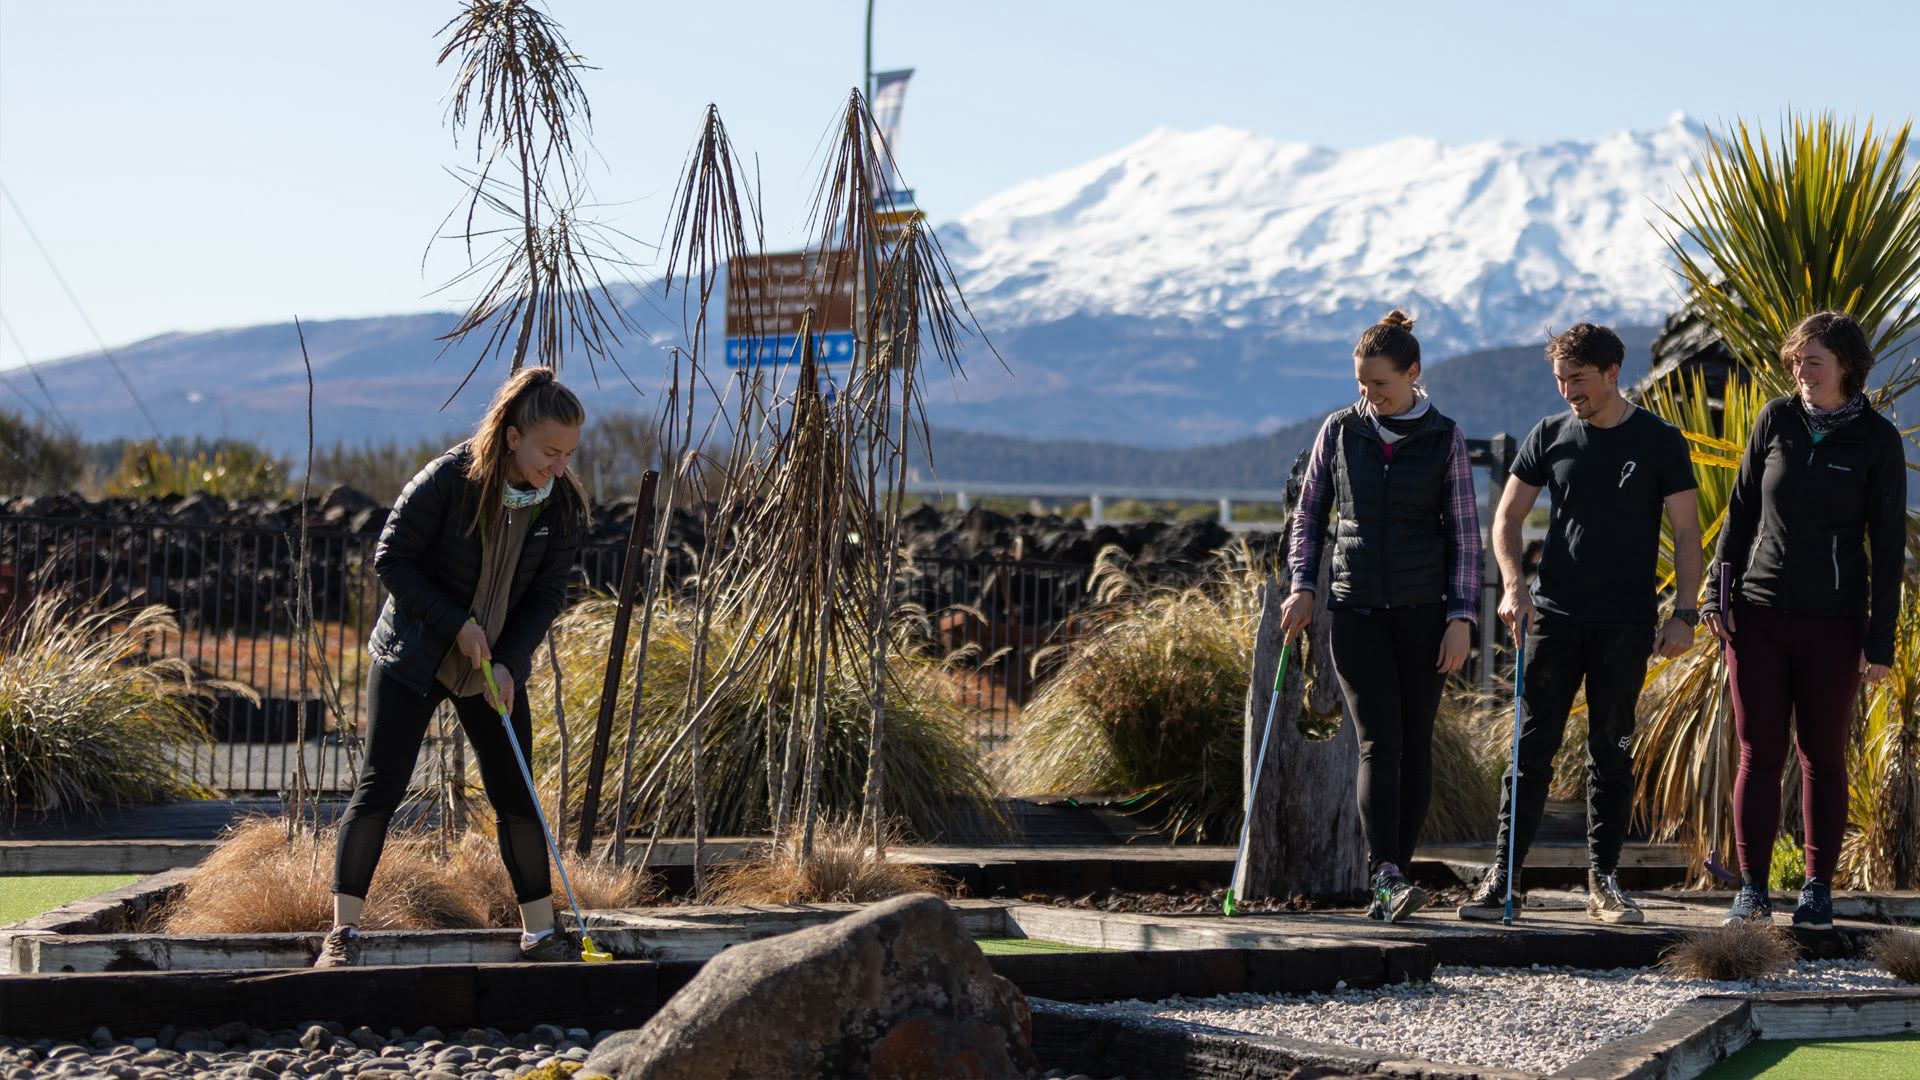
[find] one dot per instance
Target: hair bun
(1399, 319)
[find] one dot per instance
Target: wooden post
(616, 660)
(1305, 839)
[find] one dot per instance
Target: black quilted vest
(1390, 537)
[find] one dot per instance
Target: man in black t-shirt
(1611, 469)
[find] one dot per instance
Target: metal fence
(232, 589)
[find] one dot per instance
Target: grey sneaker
(1489, 900)
(1397, 897)
(1607, 903)
(1750, 904)
(558, 947)
(341, 949)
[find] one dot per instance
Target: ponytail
(532, 396)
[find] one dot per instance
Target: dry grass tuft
(1744, 950)
(1899, 952)
(844, 869)
(258, 882)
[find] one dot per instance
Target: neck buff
(1828, 422)
(517, 499)
(1414, 412)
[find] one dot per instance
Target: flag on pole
(889, 98)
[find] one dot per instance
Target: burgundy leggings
(1798, 671)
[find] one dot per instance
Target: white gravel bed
(1515, 1018)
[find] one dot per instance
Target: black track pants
(1386, 659)
(396, 723)
(1612, 661)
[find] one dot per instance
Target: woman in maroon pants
(1810, 560)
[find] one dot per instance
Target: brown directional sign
(768, 295)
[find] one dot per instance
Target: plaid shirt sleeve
(1463, 520)
(1307, 531)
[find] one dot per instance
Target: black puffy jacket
(429, 563)
(1818, 529)
(1390, 538)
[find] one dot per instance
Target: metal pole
(868, 83)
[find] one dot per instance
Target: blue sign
(830, 347)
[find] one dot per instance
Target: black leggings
(1387, 660)
(396, 723)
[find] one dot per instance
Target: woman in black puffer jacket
(475, 558)
(1805, 591)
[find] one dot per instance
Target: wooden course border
(511, 997)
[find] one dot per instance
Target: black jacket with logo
(429, 562)
(1818, 529)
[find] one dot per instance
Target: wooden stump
(1305, 837)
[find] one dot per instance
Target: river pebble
(317, 1050)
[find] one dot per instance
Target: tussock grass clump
(1744, 950)
(88, 720)
(1470, 749)
(935, 777)
(1898, 951)
(845, 869)
(1152, 703)
(1149, 702)
(257, 881)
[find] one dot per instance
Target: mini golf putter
(589, 952)
(1513, 797)
(1230, 906)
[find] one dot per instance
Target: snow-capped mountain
(1190, 288)
(1485, 243)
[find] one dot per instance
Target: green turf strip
(1896, 1057)
(22, 896)
(1020, 946)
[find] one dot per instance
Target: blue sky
(214, 163)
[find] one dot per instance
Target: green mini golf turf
(22, 896)
(1895, 1057)
(1016, 946)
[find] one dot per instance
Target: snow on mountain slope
(1487, 243)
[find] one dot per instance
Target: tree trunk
(1305, 837)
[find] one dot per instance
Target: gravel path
(1539, 1018)
(317, 1051)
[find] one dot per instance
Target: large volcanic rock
(897, 990)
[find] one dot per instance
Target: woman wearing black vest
(475, 558)
(1404, 584)
(1809, 562)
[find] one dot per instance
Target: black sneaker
(1397, 897)
(341, 949)
(1750, 904)
(1489, 900)
(1607, 903)
(1815, 910)
(1375, 910)
(557, 946)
